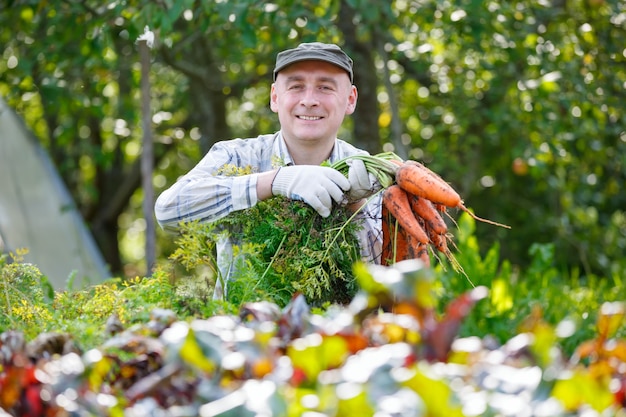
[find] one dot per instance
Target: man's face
(312, 99)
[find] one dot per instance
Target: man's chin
(307, 135)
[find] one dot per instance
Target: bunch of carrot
(415, 200)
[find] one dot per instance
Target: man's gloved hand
(316, 185)
(362, 183)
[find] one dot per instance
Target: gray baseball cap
(315, 51)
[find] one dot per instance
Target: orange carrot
(398, 245)
(390, 239)
(422, 254)
(418, 180)
(440, 242)
(395, 243)
(426, 210)
(397, 202)
(415, 249)
(414, 178)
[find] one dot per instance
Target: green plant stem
(345, 224)
(6, 294)
(269, 266)
(379, 165)
(395, 241)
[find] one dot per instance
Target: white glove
(362, 183)
(316, 185)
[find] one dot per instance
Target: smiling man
(312, 93)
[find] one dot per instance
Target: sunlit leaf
(99, 368)
(436, 393)
(500, 296)
(581, 389)
(610, 319)
(353, 401)
(314, 353)
(543, 343)
(192, 354)
(617, 349)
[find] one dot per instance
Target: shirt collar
(281, 153)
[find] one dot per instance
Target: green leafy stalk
(380, 165)
(292, 248)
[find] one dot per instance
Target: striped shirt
(205, 195)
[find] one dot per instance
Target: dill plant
(23, 294)
(280, 247)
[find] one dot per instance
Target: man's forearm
(264, 184)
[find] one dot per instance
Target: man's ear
(352, 99)
(273, 98)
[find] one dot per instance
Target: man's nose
(309, 97)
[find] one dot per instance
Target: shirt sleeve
(206, 193)
(370, 235)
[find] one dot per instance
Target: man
(312, 93)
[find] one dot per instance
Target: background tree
(517, 104)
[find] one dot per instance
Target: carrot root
(480, 219)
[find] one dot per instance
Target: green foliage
(23, 291)
(196, 246)
(541, 290)
(519, 108)
(515, 294)
(28, 304)
(389, 353)
(280, 247)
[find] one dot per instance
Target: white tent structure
(38, 213)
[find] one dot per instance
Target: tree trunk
(366, 132)
(147, 157)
